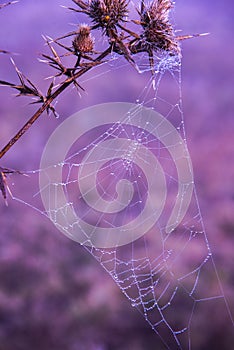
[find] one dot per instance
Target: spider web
(166, 268)
(164, 271)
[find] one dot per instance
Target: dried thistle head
(108, 15)
(83, 42)
(158, 10)
(158, 31)
(105, 13)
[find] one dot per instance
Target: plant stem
(49, 100)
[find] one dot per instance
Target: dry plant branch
(48, 102)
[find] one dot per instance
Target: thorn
(42, 61)
(4, 51)
(9, 52)
(185, 37)
(50, 77)
(204, 34)
(8, 3)
(12, 61)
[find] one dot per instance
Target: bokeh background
(53, 294)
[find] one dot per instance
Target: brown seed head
(158, 10)
(83, 42)
(158, 31)
(107, 13)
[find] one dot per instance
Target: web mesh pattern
(108, 183)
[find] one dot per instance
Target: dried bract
(3, 182)
(3, 185)
(27, 88)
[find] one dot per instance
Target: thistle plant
(154, 33)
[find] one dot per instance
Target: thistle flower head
(83, 41)
(158, 11)
(107, 13)
(158, 31)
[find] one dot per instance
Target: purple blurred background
(53, 294)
